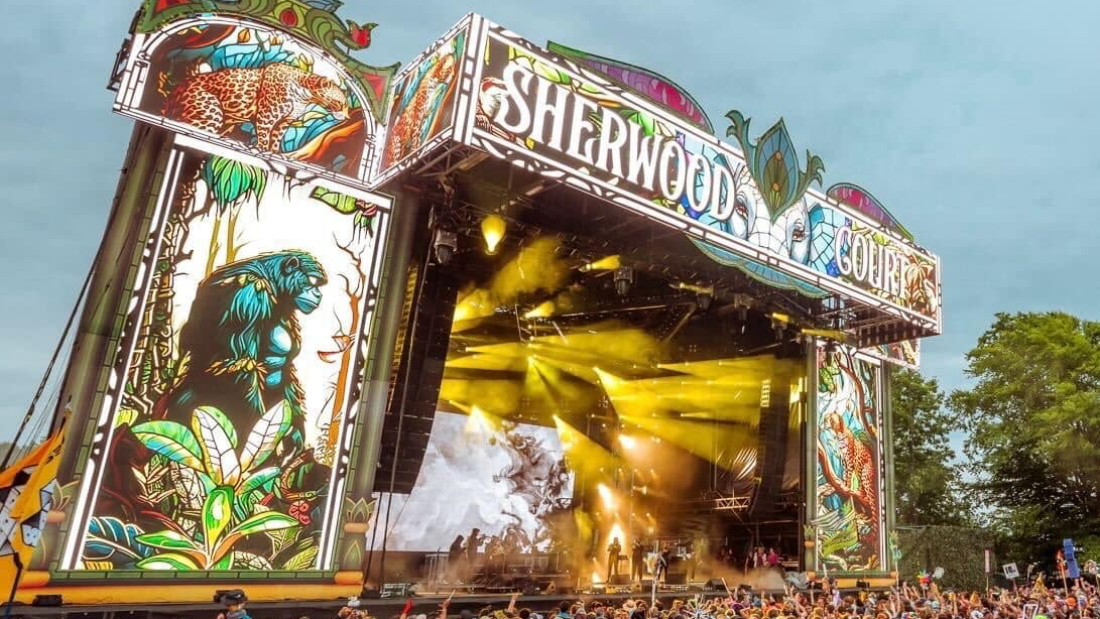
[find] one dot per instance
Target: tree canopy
(928, 483)
(1033, 416)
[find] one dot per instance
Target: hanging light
(445, 242)
(492, 228)
(624, 277)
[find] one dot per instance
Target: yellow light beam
(607, 263)
(493, 228)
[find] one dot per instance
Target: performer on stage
(455, 556)
(613, 552)
(662, 565)
(637, 560)
(495, 552)
(473, 544)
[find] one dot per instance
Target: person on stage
(662, 565)
(455, 556)
(473, 545)
(613, 552)
(637, 561)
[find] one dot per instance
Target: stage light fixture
(606, 496)
(627, 441)
(492, 229)
(607, 263)
(779, 324)
(445, 243)
(703, 300)
(742, 302)
(624, 277)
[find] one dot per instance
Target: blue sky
(973, 121)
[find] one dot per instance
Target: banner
(27, 493)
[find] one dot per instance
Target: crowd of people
(1080, 601)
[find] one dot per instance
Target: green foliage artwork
(239, 386)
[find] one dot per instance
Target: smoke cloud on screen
(476, 476)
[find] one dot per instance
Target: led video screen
(849, 520)
(223, 441)
(506, 480)
(248, 86)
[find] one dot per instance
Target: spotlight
(492, 228)
(624, 277)
(606, 496)
(445, 243)
(607, 263)
(779, 324)
(627, 441)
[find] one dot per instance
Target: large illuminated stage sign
(225, 441)
(752, 208)
(222, 444)
(848, 524)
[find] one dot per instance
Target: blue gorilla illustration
(241, 338)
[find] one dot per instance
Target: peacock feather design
(773, 163)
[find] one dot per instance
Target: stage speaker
(619, 580)
(714, 584)
(771, 448)
(423, 341)
(47, 601)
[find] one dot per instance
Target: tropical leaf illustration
(112, 540)
(218, 452)
(217, 514)
(268, 431)
(231, 181)
(248, 561)
(303, 560)
(171, 440)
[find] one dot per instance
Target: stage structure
(344, 314)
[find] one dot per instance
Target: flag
(1072, 569)
(27, 492)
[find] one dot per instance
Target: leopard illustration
(270, 97)
(409, 129)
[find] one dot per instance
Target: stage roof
(634, 139)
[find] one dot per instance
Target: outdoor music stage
(512, 302)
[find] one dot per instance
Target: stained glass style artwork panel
(253, 88)
(423, 100)
(224, 441)
(849, 521)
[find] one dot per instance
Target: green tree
(1033, 414)
(928, 483)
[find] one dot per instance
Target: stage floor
(383, 608)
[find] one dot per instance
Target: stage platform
(383, 608)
